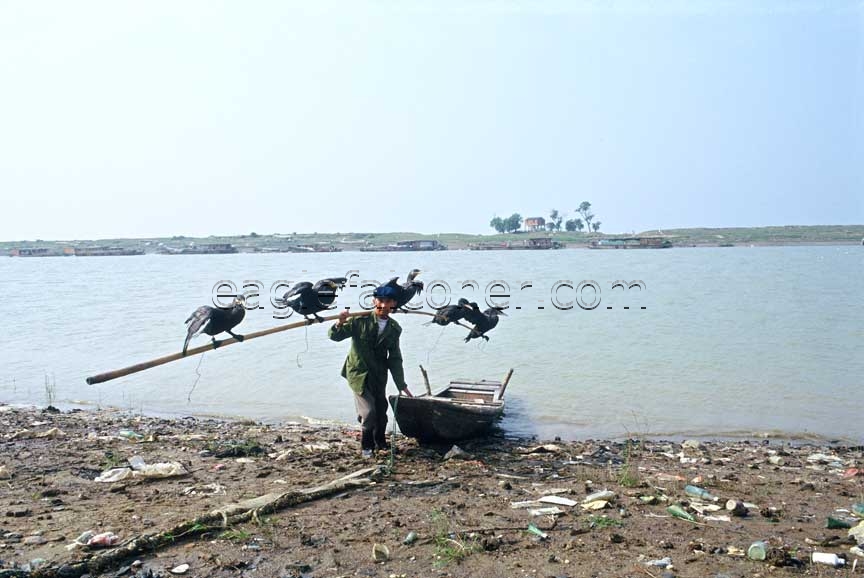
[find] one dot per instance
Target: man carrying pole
(374, 351)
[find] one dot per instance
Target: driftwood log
(223, 517)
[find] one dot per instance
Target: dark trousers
(372, 415)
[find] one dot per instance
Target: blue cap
(384, 292)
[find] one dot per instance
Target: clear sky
(130, 119)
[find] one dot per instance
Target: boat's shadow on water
(515, 423)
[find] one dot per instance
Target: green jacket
(370, 356)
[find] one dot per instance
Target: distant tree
(253, 234)
(555, 218)
(596, 226)
(574, 224)
(587, 216)
(498, 224)
(513, 223)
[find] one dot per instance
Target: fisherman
(374, 350)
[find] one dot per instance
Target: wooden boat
(463, 409)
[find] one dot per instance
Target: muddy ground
(460, 509)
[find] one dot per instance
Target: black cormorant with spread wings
(454, 313)
(308, 299)
(213, 321)
(407, 291)
(483, 322)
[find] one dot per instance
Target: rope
(392, 459)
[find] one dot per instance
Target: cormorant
(454, 313)
(213, 321)
(483, 322)
(407, 291)
(308, 299)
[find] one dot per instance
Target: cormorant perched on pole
(407, 291)
(483, 322)
(213, 321)
(454, 313)
(308, 299)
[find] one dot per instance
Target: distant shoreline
(817, 235)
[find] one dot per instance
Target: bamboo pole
(426, 380)
(109, 375)
(506, 381)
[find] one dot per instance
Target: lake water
(720, 342)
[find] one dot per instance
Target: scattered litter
(702, 508)
(858, 533)
(604, 495)
(206, 490)
(410, 538)
(720, 518)
(857, 551)
(81, 540)
(542, 449)
(5, 474)
(698, 492)
(26, 434)
(457, 453)
(595, 505)
(317, 447)
(837, 524)
(525, 504)
(551, 511)
(244, 461)
(558, 500)
(858, 509)
(104, 540)
(140, 469)
(852, 472)
(34, 540)
(825, 459)
(737, 508)
(181, 569)
(532, 529)
(380, 552)
(661, 563)
(829, 559)
(661, 477)
(757, 550)
(679, 512)
(129, 434)
(113, 475)
(776, 460)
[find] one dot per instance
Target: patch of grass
(235, 535)
(235, 449)
(112, 460)
(629, 476)
(449, 548)
(602, 522)
(50, 389)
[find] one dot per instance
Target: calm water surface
(720, 343)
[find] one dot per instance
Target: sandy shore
(467, 516)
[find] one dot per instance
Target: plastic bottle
(825, 558)
(698, 492)
(757, 550)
